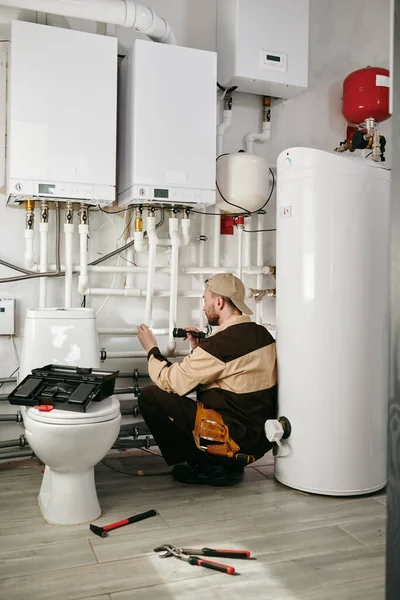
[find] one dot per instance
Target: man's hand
(146, 337)
(194, 342)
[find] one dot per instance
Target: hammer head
(98, 531)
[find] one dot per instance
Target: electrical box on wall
(62, 104)
(167, 126)
(7, 326)
(263, 46)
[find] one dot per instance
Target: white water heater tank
(242, 180)
(333, 260)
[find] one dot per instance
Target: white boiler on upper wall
(263, 46)
(333, 259)
(62, 108)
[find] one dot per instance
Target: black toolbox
(64, 387)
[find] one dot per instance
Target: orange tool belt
(212, 435)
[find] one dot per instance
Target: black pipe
(11, 444)
(20, 454)
(131, 376)
(3, 397)
(12, 418)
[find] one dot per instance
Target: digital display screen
(160, 193)
(47, 188)
(274, 58)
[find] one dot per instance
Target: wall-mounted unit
(61, 125)
(167, 126)
(263, 46)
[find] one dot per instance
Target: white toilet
(69, 443)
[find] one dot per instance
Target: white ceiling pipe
(115, 12)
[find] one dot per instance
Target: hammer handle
(134, 519)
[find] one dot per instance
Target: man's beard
(213, 318)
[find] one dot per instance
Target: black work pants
(171, 419)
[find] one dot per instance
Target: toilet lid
(97, 412)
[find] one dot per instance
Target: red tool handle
(226, 553)
(208, 564)
(134, 519)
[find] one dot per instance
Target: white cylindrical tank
(243, 180)
(333, 260)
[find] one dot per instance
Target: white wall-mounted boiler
(167, 126)
(332, 264)
(263, 46)
(61, 124)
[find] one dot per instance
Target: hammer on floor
(102, 531)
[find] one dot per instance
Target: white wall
(344, 35)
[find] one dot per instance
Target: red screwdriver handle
(226, 553)
(208, 564)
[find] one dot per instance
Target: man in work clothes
(234, 373)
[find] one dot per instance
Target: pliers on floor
(189, 555)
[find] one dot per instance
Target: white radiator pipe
(69, 234)
(83, 282)
(43, 232)
(151, 271)
(174, 235)
(252, 270)
(126, 13)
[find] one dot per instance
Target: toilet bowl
(69, 443)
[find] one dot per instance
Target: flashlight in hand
(182, 333)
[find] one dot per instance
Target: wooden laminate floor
(307, 547)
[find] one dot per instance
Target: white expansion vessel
(333, 258)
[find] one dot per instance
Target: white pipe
(141, 354)
(217, 238)
(69, 234)
(247, 245)
(130, 257)
(185, 224)
(174, 235)
(122, 331)
(212, 270)
(202, 250)
(140, 293)
(152, 237)
(221, 129)
(240, 252)
(260, 242)
(140, 243)
(83, 282)
(115, 12)
(43, 232)
(258, 137)
(29, 256)
(252, 270)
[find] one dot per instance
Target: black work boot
(205, 474)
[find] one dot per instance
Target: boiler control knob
(18, 187)
(288, 162)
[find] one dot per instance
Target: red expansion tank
(365, 95)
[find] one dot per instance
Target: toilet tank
(59, 336)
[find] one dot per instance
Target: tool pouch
(212, 435)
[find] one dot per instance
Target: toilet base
(68, 498)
